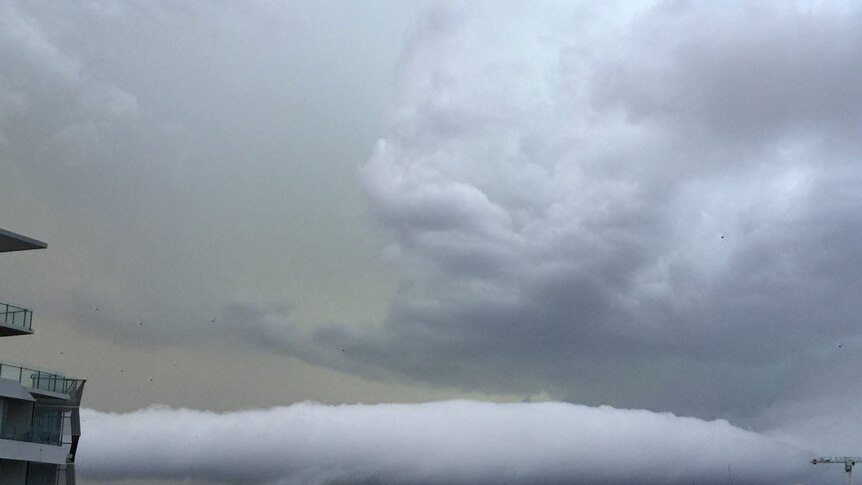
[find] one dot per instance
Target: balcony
(39, 382)
(32, 435)
(15, 320)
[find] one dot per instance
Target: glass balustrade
(38, 380)
(13, 316)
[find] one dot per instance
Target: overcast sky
(646, 212)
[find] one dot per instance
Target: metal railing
(38, 379)
(14, 316)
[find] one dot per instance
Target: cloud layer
(645, 205)
(433, 443)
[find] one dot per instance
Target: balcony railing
(32, 435)
(39, 380)
(13, 316)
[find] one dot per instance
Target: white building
(39, 421)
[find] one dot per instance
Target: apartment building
(39, 420)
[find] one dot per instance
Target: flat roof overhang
(33, 452)
(10, 330)
(10, 241)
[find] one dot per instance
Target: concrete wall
(24, 451)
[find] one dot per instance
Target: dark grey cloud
(441, 442)
(752, 73)
(645, 206)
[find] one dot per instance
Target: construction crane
(848, 462)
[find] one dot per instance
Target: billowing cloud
(441, 442)
(645, 205)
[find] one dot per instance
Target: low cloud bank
(439, 442)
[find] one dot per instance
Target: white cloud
(440, 442)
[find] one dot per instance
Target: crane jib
(848, 461)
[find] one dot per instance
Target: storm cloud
(650, 206)
(440, 442)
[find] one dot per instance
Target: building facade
(39, 420)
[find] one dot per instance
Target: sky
(440, 242)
